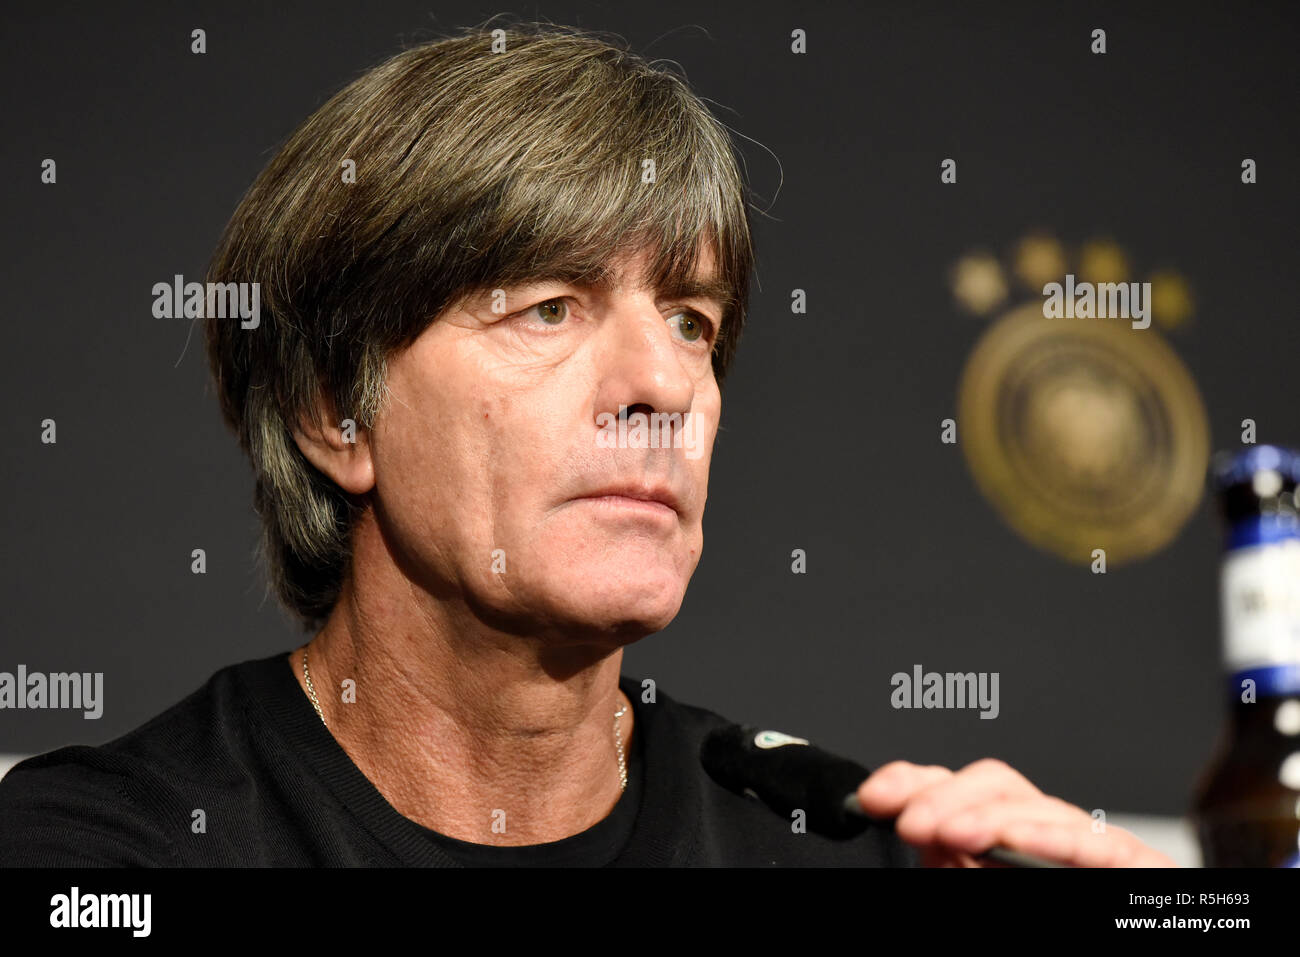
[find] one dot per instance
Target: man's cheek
(699, 472)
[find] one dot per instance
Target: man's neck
(474, 733)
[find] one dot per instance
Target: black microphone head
(786, 773)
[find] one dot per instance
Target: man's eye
(552, 311)
(691, 325)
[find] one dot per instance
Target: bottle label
(1260, 603)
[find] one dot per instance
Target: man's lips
(646, 498)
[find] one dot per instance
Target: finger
(1115, 847)
(890, 787)
(1077, 846)
(976, 828)
(982, 783)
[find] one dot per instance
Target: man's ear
(340, 448)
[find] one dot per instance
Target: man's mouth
(650, 499)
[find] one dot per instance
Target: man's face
(494, 476)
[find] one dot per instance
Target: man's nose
(641, 365)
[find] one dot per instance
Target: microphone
(786, 773)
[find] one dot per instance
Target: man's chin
(624, 614)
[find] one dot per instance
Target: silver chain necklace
(618, 731)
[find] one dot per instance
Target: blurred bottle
(1247, 805)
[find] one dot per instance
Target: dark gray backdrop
(1109, 684)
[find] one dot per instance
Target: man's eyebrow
(699, 288)
(709, 288)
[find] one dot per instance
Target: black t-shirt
(243, 773)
